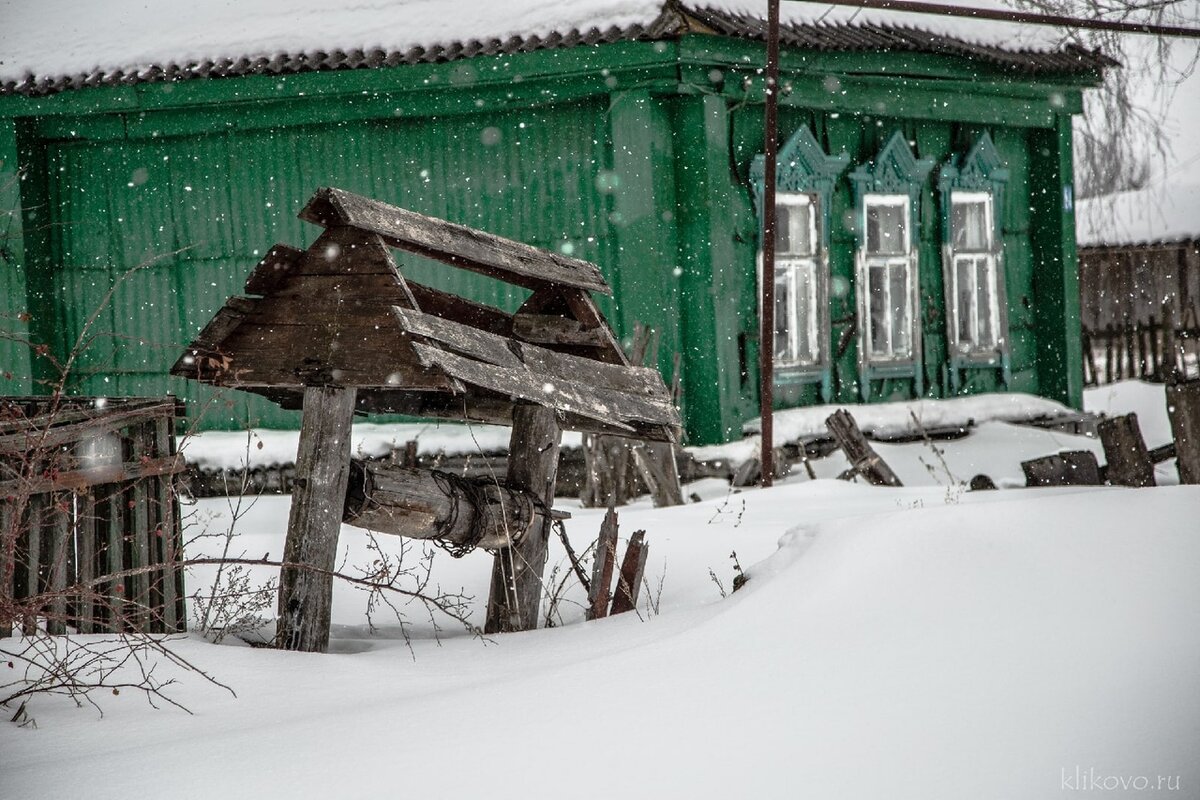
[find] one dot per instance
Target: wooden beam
(862, 457)
(1129, 462)
(516, 591)
(456, 245)
(318, 496)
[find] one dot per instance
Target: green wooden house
(926, 243)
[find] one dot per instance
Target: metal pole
(766, 346)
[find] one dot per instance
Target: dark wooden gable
(340, 313)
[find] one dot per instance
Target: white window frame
(989, 255)
(809, 311)
(907, 261)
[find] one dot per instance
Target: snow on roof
(57, 44)
(1165, 212)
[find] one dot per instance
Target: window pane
(965, 294)
(794, 229)
(804, 312)
(898, 279)
(885, 228)
(783, 350)
(984, 303)
(969, 225)
(877, 298)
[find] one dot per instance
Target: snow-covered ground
(925, 642)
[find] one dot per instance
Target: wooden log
(633, 567)
(602, 567)
(1069, 468)
(318, 496)
(1183, 407)
(516, 589)
(1129, 462)
(461, 513)
(862, 457)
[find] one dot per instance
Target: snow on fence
(85, 492)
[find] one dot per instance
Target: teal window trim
(804, 168)
(982, 171)
(895, 172)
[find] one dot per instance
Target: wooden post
(516, 591)
(862, 457)
(1183, 407)
(318, 495)
(602, 566)
(1129, 462)
(629, 581)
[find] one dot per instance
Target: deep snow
(923, 642)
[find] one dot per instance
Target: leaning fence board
(862, 457)
(1183, 408)
(85, 609)
(629, 580)
(58, 553)
(602, 567)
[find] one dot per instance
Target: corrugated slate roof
(673, 20)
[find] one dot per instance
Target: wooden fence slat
(85, 541)
(1129, 462)
(629, 580)
(165, 542)
(115, 557)
(33, 559)
(602, 567)
(139, 539)
(1183, 408)
(7, 572)
(60, 533)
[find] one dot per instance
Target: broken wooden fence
(85, 492)
(336, 329)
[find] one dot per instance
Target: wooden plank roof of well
(56, 45)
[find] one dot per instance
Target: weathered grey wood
(38, 436)
(204, 353)
(1183, 407)
(602, 567)
(608, 479)
(629, 580)
(1069, 468)
(85, 538)
(421, 504)
(139, 534)
(166, 546)
(1129, 462)
(641, 417)
(60, 532)
(277, 264)
(76, 480)
(516, 589)
(656, 463)
(497, 350)
(583, 307)
(862, 457)
(115, 512)
(34, 565)
(7, 564)
(318, 495)
(1163, 453)
(453, 244)
(468, 312)
(555, 330)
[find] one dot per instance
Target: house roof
(54, 45)
(1166, 212)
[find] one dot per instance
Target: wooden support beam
(460, 513)
(629, 581)
(1069, 468)
(1183, 407)
(862, 457)
(602, 567)
(318, 496)
(1129, 462)
(516, 591)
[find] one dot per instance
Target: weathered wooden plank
(554, 329)
(656, 463)
(85, 538)
(169, 547)
(514, 600)
(459, 309)
(58, 435)
(279, 262)
(318, 496)
(68, 412)
(424, 504)
(584, 308)
(629, 579)
(503, 352)
(602, 567)
(93, 476)
(862, 457)
(1183, 408)
(577, 397)
(452, 244)
(138, 533)
(115, 514)
(1129, 462)
(7, 565)
(1068, 468)
(60, 532)
(35, 516)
